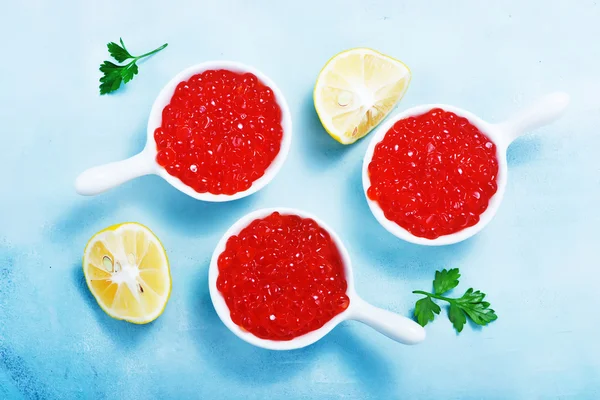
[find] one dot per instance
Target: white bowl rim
(164, 97)
(223, 310)
(493, 132)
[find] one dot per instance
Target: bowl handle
(392, 325)
(544, 111)
(99, 179)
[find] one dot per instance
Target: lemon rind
(107, 310)
(325, 122)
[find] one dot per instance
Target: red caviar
(433, 174)
(282, 276)
(220, 132)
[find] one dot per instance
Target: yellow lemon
(127, 270)
(356, 90)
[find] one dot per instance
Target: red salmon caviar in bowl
(282, 276)
(435, 174)
(281, 279)
(222, 130)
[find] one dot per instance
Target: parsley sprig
(113, 74)
(470, 305)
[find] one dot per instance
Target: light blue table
(538, 260)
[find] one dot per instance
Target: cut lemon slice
(127, 271)
(356, 90)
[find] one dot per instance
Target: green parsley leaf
(471, 305)
(478, 310)
(117, 52)
(112, 77)
(445, 280)
(129, 72)
(424, 310)
(457, 317)
(113, 74)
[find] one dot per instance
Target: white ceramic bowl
(99, 179)
(543, 112)
(396, 327)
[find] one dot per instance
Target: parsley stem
(435, 296)
(152, 52)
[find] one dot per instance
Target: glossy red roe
(433, 174)
(220, 132)
(281, 277)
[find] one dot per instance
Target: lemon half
(127, 270)
(356, 90)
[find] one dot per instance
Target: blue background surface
(537, 260)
